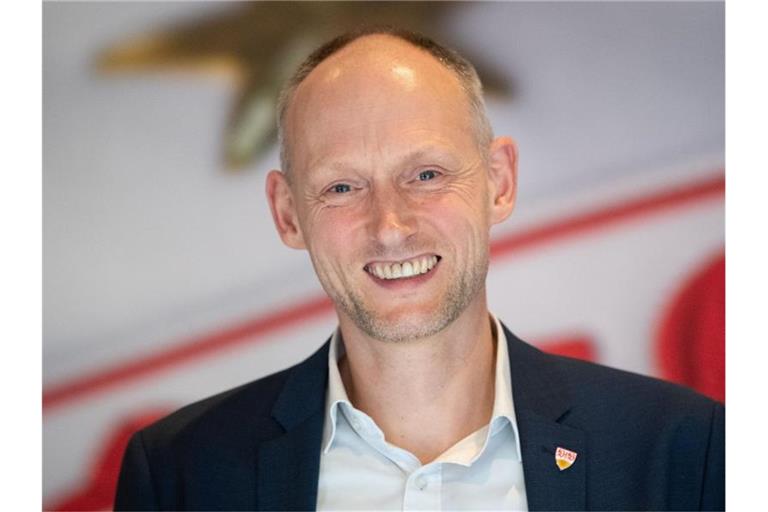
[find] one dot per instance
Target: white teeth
(403, 269)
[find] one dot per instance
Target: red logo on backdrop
(98, 491)
(690, 346)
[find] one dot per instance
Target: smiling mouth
(403, 269)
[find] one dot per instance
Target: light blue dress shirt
(360, 470)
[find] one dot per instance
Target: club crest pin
(564, 458)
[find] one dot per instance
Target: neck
(425, 394)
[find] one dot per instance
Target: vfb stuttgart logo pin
(564, 458)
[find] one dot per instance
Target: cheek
(332, 238)
(324, 244)
(462, 232)
(460, 211)
(462, 225)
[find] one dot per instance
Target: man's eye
(427, 175)
(341, 188)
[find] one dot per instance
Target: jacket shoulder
(674, 436)
(603, 387)
(203, 455)
(248, 404)
(595, 389)
(651, 444)
(245, 412)
(167, 465)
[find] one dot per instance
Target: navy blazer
(642, 444)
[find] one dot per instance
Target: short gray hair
(461, 67)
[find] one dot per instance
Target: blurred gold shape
(257, 45)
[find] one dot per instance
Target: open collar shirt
(359, 469)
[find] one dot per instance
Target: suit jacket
(641, 443)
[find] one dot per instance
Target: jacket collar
(542, 402)
(304, 390)
(288, 466)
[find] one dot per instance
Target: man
(422, 399)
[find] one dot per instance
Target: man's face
(391, 193)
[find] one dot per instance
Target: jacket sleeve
(713, 491)
(134, 486)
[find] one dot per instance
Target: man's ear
(283, 210)
(503, 176)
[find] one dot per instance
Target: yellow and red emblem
(564, 458)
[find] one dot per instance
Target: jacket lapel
(288, 466)
(541, 405)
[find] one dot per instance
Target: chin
(402, 326)
(411, 319)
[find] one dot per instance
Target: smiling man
(421, 399)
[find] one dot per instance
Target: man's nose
(393, 220)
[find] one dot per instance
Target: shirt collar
(503, 404)
(337, 394)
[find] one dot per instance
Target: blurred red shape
(578, 347)
(690, 346)
(98, 491)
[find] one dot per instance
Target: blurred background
(165, 282)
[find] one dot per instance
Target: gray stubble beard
(457, 298)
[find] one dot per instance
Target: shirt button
(355, 424)
(421, 482)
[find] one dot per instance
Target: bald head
(382, 63)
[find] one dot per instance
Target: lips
(403, 269)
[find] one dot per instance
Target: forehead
(376, 96)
